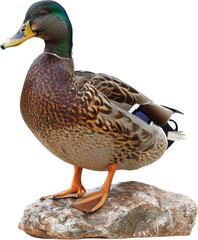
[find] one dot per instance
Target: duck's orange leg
(93, 201)
(76, 187)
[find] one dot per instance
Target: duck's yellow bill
(24, 33)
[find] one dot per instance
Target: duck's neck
(61, 45)
(61, 49)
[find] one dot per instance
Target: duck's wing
(126, 130)
(114, 89)
(124, 96)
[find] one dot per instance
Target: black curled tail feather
(167, 128)
(172, 134)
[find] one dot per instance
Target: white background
(152, 45)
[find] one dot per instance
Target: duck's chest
(47, 99)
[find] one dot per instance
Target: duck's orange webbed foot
(92, 201)
(76, 189)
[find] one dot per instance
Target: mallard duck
(89, 120)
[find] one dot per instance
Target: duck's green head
(49, 21)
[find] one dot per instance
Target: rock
(132, 210)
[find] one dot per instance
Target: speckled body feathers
(78, 117)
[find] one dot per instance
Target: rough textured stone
(132, 210)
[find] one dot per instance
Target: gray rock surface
(132, 210)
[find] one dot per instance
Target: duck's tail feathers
(160, 115)
(175, 135)
(172, 134)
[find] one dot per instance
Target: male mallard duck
(90, 120)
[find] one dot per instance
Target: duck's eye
(44, 12)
